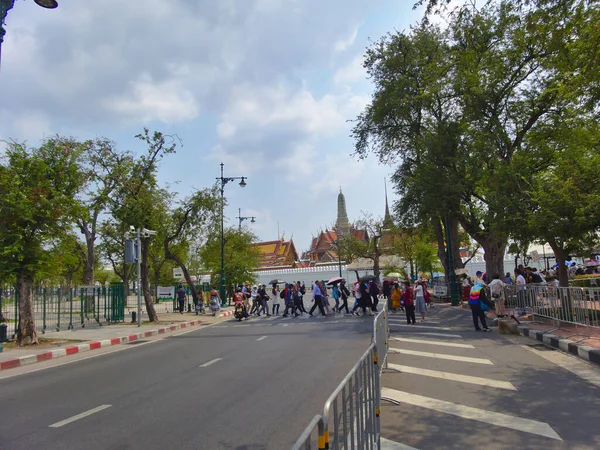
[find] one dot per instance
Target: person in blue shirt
(508, 279)
(317, 298)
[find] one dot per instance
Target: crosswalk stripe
(403, 321)
(442, 356)
(427, 342)
(425, 327)
(386, 444)
(439, 335)
(468, 412)
(453, 377)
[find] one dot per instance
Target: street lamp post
(224, 181)
(454, 295)
(6, 5)
(241, 219)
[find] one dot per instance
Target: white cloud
(147, 100)
(345, 43)
(351, 73)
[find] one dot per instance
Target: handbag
(484, 306)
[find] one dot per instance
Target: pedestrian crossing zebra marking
(386, 444)
(440, 343)
(468, 412)
(457, 336)
(453, 377)
(442, 356)
(423, 327)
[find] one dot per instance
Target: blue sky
(264, 86)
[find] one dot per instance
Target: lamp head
(243, 182)
(253, 220)
(50, 4)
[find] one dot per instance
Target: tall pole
(451, 271)
(139, 267)
(240, 218)
(222, 289)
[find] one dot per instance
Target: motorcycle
(240, 312)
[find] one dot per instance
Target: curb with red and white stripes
(66, 351)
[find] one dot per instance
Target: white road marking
(403, 322)
(206, 364)
(285, 325)
(441, 356)
(386, 444)
(440, 343)
(79, 416)
(468, 412)
(458, 336)
(454, 377)
(261, 338)
(405, 325)
(580, 368)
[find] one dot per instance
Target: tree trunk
(26, 333)
(561, 258)
(152, 316)
(376, 269)
(186, 272)
(494, 256)
(441, 244)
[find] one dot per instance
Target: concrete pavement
(59, 344)
(250, 385)
(450, 387)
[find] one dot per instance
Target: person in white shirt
(497, 293)
(521, 294)
(479, 278)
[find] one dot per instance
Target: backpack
(282, 294)
(302, 290)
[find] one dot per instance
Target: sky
(267, 87)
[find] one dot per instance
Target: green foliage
(241, 257)
(38, 204)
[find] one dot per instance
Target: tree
(195, 217)
(136, 198)
(38, 204)
(104, 166)
(241, 257)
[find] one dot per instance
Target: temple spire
(387, 220)
(342, 223)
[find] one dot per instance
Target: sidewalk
(577, 340)
(69, 342)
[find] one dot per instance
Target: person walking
(335, 293)
(264, 299)
(255, 304)
(199, 308)
(299, 299)
(344, 293)
(479, 303)
(374, 291)
(289, 301)
(275, 299)
(396, 296)
(317, 298)
(214, 301)
(420, 304)
(181, 296)
(387, 293)
(409, 304)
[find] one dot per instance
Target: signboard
(440, 291)
(165, 292)
(87, 290)
(177, 272)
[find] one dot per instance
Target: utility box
(130, 251)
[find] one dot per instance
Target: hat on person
(479, 272)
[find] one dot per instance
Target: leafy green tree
(137, 198)
(38, 204)
(104, 166)
(241, 257)
(193, 219)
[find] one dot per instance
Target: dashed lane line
(82, 415)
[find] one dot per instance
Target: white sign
(177, 272)
(165, 292)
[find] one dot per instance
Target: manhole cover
(135, 342)
(541, 347)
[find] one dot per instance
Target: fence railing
(576, 305)
(59, 308)
(350, 417)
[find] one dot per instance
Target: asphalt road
(250, 385)
(449, 387)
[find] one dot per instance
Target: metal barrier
(351, 414)
(574, 305)
(308, 435)
(56, 308)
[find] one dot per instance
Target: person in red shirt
(409, 303)
(239, 296)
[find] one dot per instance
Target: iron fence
(58, 308)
